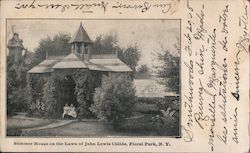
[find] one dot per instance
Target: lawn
(80, 129)
(143, 125)
(15, 125)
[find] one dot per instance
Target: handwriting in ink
(187, 134)
(189, 102)
(213, 78)
(63, 7)
(165, 7)
(223, 138)
(223, 19)
(212, 110)
(244, 41)
(102, 5)
(243, 46)
(200, 30)
(235, 119)
(90, 6)
(189, 29)
(142, 7)
(223, 90)
(243, 20)
(200, 117)
(201, 63)
(222, 107)
(236, 94)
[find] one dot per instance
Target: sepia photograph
(93, 78)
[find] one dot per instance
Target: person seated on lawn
(72, 111)
(66, 110)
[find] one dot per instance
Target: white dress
(72, 112)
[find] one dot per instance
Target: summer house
(73, 72)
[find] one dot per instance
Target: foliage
(17, 101)
(58, 45)
(83, 94)
(168, 71)
(16, 82)
(143, 72)
(143, 69)
(16, 72)
(49, 96)
(36, 92)
(86, 82)
(131, 56)
(115, 99)
(151, 124)
(160, 116)
(108, 44)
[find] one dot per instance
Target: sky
(149, 35)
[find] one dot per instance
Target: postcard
(124, 76)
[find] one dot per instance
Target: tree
(131, 56)
(57, 46)
(115, 99)
(143, 69)
(168, 70)
(108, 44)
(16, 82)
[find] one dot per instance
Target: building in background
(15, 46)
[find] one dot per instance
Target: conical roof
(80, 36)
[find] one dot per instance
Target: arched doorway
(66, 93)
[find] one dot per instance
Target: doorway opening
(66, 93)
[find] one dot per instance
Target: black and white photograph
(93, 78)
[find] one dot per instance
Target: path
(58, 123)
(54, 124)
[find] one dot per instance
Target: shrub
(17, 101)
(35, 97)
(146, 108)
(115, 99)
(151, 124)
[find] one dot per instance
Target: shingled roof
(81, 36)
(44, 67)
(150, 88)
(107, 63)
(70, 61)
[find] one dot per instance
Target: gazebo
(71, 79)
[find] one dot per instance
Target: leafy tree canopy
(114, 99)
(168, 70)
(108, 44)
(58, 45)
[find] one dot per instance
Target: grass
(80, 129)
(142, 126)
(15, 125)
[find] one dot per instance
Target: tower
(81, 43)
(15, 46)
